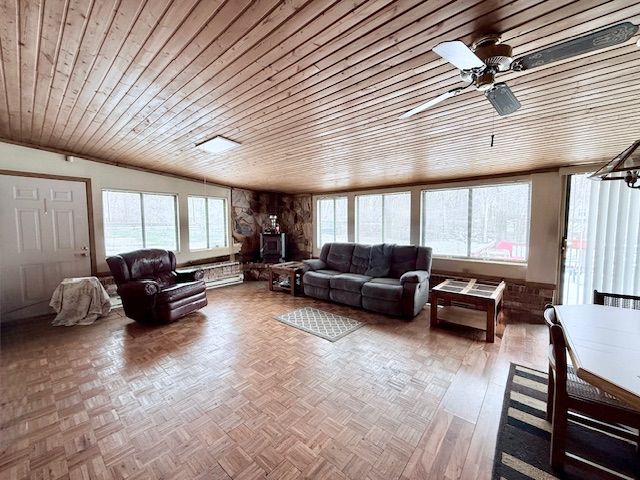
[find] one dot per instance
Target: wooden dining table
(604, 346)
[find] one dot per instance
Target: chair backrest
(146, 264)
(558, 357)
(550, 315)
(558, 350)
(616, 300)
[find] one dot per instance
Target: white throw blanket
(79, 301)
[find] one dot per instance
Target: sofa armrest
(190, 276)
(139, 289)
(415, 276)
(314, 264)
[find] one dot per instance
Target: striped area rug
(524, 436)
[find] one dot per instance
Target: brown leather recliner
(150, 288)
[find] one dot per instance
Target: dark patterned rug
(524, 436)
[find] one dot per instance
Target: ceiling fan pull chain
(493, 125)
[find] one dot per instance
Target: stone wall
(296, 220)
(249, 216)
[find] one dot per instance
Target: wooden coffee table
(289, 270)
(488, 297)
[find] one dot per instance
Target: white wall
(104, 177)
(547, 194)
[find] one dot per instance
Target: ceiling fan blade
(431, 103)
(591, 42)
(459, 54)
(502, 99)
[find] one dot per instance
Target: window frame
(141, 195)
(318, 228)
(382, 216)
(470, 189)
(206, 206)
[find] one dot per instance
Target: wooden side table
(286, 269)
(488, 297)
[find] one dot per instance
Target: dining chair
(616, 300)
(567, 392)
(550, 319)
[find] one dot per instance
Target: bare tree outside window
(384, 218)
(332, 220)
(486, 222)
(207, 223)
(134, 220)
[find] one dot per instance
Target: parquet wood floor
(229, 392)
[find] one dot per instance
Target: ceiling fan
(487, 57)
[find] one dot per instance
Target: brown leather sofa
(150, 288)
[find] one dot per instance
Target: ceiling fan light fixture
(625, 166)
(488, 56)
(217, 144)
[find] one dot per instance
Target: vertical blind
(603, 239)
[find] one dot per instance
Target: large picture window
(485, 222)
(134, 220)
(383, 218)
(332, 220)
(207, 223)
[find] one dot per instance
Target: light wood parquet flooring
(229, 392)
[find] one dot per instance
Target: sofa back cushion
(324, 253)
(339, 257)
(379, 260)
(423, 261)
(403, 259)
(360, 259)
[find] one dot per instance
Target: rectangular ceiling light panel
(218, 145)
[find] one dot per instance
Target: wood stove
(273, 247)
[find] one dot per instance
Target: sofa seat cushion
(179, 291)
(386, 280)
(347, 298)
(319, 278)
(383, 289)
(316, 292)
(382, 306)
(350, 282)
(328, 271)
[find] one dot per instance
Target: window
(332, 220)
(134, 220)
(486, 222)
(384, 218)
(602, 240)
(207, 223)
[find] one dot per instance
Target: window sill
(481, 261)
(212, 249)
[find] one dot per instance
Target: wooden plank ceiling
(312, 89)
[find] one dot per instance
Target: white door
(44, 237)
